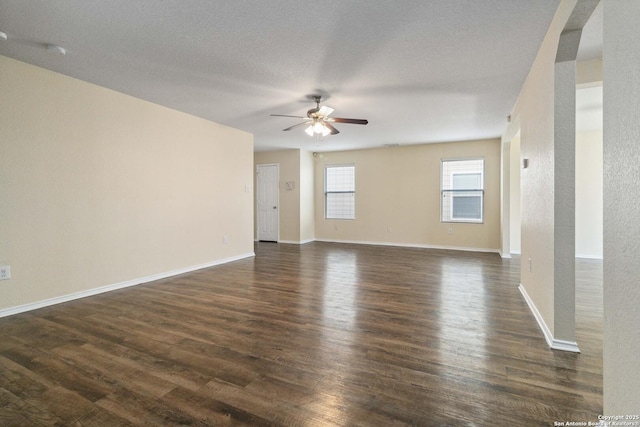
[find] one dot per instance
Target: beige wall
(296, 206)
(514, 189)
(289, 200)
(589, 73)
(533, 115)
(307, 219)
(398, 197)
(99, 188)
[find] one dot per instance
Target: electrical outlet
(450, 231)
(225, 239)
(5, 272)
(529, 265)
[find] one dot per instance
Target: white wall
(621, 62)
(99, 188)
(588, 185)
(589, 206)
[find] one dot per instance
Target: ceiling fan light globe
(309, 130)
(318, 127)
(325, 111)
(325, 131)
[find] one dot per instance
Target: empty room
(292, 213)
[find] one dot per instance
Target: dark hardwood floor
(312, 335)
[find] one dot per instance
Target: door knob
(275, 207)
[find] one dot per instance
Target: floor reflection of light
(328, 406)
(340, 289)
(463, 311)
(339, 310)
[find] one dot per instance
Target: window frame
(327, 193)
(447, 212)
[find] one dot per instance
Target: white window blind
(339, 192)
(462, 190)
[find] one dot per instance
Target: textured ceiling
(418, 70)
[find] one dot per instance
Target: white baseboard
(95, 291)
(295, 242)
(410, 245)
(553, 343)
(505, 256)
(563, 345)
(402, 245)
(589, 256)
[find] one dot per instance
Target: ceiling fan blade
(286, 115)
(350, 121)
(325, 111)
(295, 126)
(333, 130)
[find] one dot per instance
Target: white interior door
(268, 193)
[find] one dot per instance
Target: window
(462, 190)
(340, 192)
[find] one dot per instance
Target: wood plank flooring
(320, 334)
